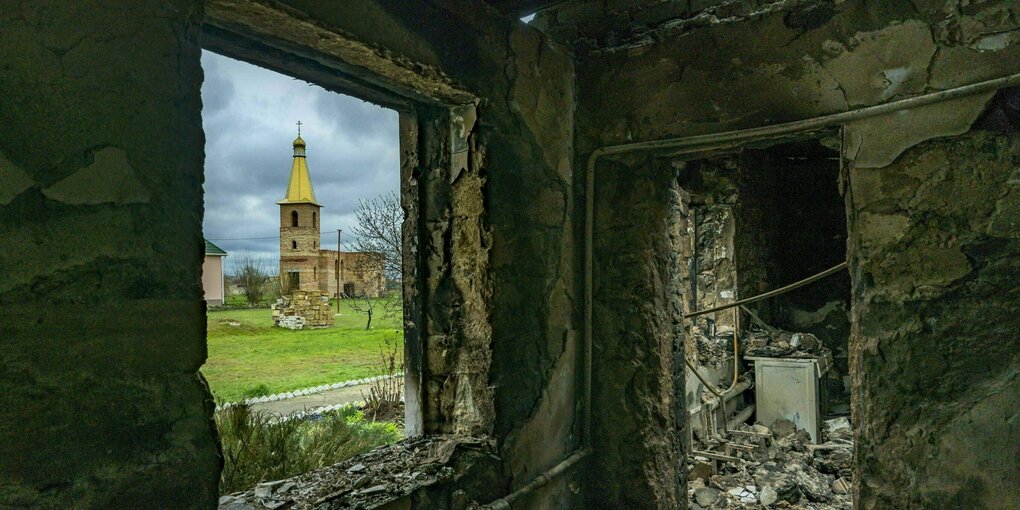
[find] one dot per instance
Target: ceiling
(521, 7)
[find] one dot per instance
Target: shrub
(258, 446)
(384, 399)
(255, 392)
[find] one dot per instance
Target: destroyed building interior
(599, 201)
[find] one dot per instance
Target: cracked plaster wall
(101, 228)
(935, 383)
(751, 71)
(509, 250)
(638, 344)
(935, 247)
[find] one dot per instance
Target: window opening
(362, 309)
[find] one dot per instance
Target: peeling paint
(877, 66)
(878, 141)
(13, 180)
(109, 179)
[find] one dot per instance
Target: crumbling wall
(712, 184)
(499, 282)
(638, 376)
(303, 308)
(774, 66)
(798, 61)
(100, 225)
(935, 243)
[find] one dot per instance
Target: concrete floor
(294, 405)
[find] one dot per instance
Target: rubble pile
(368, 481)
(714, 351)
(303, 308)
(776, 343)
(777, 468)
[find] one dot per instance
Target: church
(303, 264)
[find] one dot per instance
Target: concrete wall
(931, 376)
(100, 225)
(212, 279)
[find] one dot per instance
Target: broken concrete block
(705, 496)
(783, 428)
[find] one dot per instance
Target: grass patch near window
(248, 356)
(258, 448)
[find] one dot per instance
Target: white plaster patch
(882, 64)
(895, 80)
(993, 42)
(109, 179)
(13, 180)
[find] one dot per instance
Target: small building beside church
(304, 264)
(213, 275)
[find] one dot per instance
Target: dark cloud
(249, 119)
(217, 90)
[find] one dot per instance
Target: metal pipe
(772, 293)
(741, 417)
(506, 502)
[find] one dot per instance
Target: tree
(378, 237)
(378, 232)
(251, 274)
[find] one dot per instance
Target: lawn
(246, 352)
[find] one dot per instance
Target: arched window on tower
(315, 220)
(293, 218)
(293, 245)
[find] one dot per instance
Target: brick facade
(316, 269)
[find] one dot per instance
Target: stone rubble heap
(779, 469)
(303, 308)
(428, 467)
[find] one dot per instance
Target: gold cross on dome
(299, 128)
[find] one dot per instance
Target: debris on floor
(715, 350)
(775, 467)
(434, 463)
(778, 343)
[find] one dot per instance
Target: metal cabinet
(790, 388)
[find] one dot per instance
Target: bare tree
(378, 232)
(378, 238)
(252, 275)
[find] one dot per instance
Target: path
(293, 405)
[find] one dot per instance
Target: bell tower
(299, 225)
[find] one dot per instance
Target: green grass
(239, 300)
(254, 357)
(257, 448)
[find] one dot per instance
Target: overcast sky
(250, 117)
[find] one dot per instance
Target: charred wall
(100, 225)
(795, 227)
(638, 341)
(778, 65)
(934, 246)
